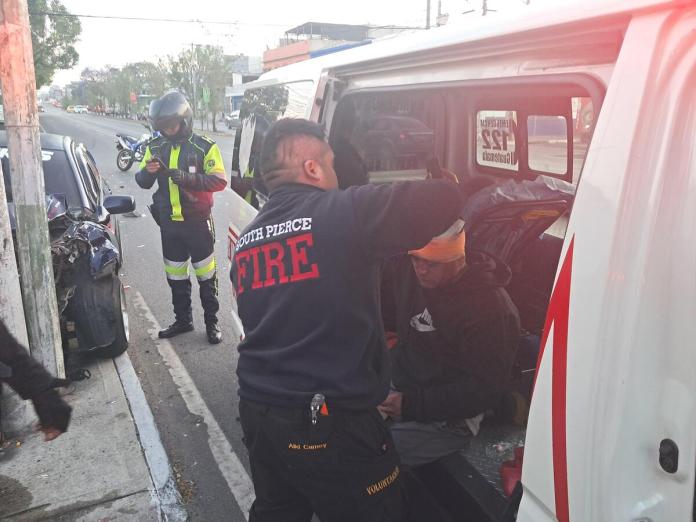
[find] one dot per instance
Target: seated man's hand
(391, 407)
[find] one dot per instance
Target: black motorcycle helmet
(167, 111)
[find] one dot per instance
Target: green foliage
(202, 66)
(112, 87)
(53, 39)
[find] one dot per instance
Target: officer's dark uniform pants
(194, 240)
(344, 469)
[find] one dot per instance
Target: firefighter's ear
(312, 169)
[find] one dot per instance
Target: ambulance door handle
(669, 456)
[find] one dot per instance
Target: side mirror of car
(119, 204)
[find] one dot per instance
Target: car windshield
(58, 176)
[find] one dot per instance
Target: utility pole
(11, 311)
(427, 15)
(24, 146)
(14, 409)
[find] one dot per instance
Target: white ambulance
(585, 119)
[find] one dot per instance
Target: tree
(204, 66)
(211, 75)
(181, 73)
(53, 37)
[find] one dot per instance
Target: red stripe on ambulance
(557, 316)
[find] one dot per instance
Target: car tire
(120, 344)
(124, 160)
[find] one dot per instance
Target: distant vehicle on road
(81, 109)
(232, 119)
(41, 107)
(85, 246)
(70, 108)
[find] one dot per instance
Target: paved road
(190, 385)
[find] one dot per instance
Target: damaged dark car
(85, 246)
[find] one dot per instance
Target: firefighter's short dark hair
(287, 128)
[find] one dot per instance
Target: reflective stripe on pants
(176, 270)
(206, 268)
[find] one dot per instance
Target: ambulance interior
(530, 139)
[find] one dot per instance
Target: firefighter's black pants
(194, 240)
(344, 468)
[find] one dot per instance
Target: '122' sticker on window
(495, 142)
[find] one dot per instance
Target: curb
(165, 493)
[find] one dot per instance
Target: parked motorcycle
(131, 149)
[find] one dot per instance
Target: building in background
(313, 39)
(239, 69)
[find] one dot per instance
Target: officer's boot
(181, 299)
(209, 300)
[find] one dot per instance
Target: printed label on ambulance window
(495, 140)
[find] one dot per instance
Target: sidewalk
(110, 465)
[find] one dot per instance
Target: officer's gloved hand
(183, 178)
(53, 412)
(197, 182)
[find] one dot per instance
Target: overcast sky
(259, 24)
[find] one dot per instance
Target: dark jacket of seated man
(458, 332)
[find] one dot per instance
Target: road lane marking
(226, 459)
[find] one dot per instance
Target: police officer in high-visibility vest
(188, 168)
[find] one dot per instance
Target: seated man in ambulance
(458, 331)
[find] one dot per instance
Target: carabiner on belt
(317, 402)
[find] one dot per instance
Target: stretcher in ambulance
(593, 106)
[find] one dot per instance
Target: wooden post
(24, 146)
(14, 412)
(11, 311)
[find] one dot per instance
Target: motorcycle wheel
(124, 160)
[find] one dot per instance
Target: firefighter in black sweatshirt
(313, 365)
(458, 332)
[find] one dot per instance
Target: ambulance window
(263, 106)
(548, 135)
(395, 134)
(583, 125)
(495, 140)
(547, 138)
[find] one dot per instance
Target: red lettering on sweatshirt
(254, 253)
(241, 259)
(279, 262)
(299, 258)
(273, 254)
